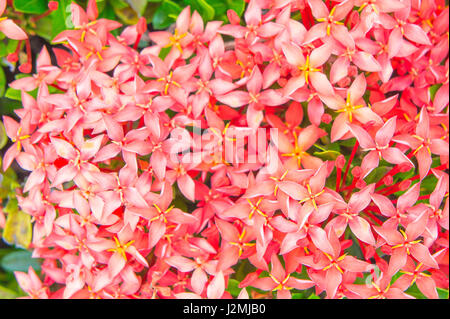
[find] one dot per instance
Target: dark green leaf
(237, 5)
(20, 260)
(220, 8)
(2, 81)
(31, 6)
(107, 13)
(203, 8)
(44, 28)
(166, 14)
(61, 18)
(8, 106)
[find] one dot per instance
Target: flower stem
(347, 168)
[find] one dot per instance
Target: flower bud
(282, 81)
(388, 180)
(25, 67)
(404, 167)
(141, 26)
(233, 17)
(53, 5)
(327, 118)
(403, 186)
(345, 82)
(12, 57)
(356, 172)
(340, 161)
(352, 71)
(360, 184)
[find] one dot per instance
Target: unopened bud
(141, 26)
(327, 118)
(340, 161)
(352, 70)
(357, 172)
(258, 58)
(404, 167)
(282, 82)
(345, 82)
(233, 17)
(360, 184)
(53, 5)
(403, 186)
(388, 180)
(369, 252)
(12, 57)
(25, 67)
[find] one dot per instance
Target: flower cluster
(142, 181)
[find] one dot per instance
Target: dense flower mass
(288, 151)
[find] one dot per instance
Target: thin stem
(347, 168)
(338, 178)
(136, 43)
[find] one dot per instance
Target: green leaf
(2, 81)
(138, 6)
(3, 51)
(126, 13)
(31, 6)
(313, 296)
(166, 14)
(237, 5)
(203, 8)
(6, 293)
(3, 136)
(377, 174)
(415, 292)
(433, 90)
(20, 260)
(327, 155)
(11, 46)
(18, 229)
(298, 295)
(118, 4)
(233, 287)
(8, 106)
(13, 94)
(428, 184)
(107, 13)
(220, 8)
(443, 293)
(61, 18)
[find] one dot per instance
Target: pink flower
(8, 27)
(307, 69)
